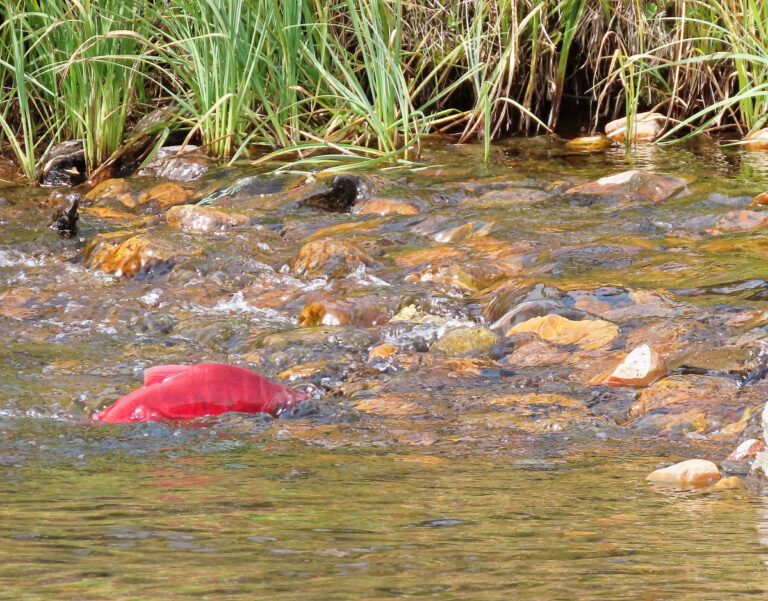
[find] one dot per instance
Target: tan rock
(690, 473)
(646, 128)
(730, 483)
(757, 140)
(590, 143)
(642, 367)
(332, 257)
(386, 206)
(589, 334)
(125, 255)
(633, 184)
(194, 218)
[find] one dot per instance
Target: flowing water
(425, 465)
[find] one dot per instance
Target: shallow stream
(487, 464)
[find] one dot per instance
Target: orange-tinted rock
(646, 128)
(590, 143)
(748, 448)
(167, 195)
(730, 483)
(759, 200)
(332, 257)
(125, 255)
(589, 334)
(472, 276)
(382, 351)
(429, 255)
(757, 140)
(386, 206)
(465, 231)
(632, 184)
(359, 310)
(537, 353)
(112, 189)
(642, 367)
(690, 473)
(699, 392)
(739, 221)
(194, 218)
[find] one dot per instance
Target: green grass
(310, 80)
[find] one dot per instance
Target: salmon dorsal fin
(159, 373)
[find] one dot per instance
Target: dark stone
(65, 218)
(64, 165)
(345, 190)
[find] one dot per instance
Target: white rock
(642, 367)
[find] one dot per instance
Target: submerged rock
(632, 184)
(690, 473)
(688, 391)
(645, 128)
(466, 341)
(195, 218)
(590, 143)
(125, 254)
(643, 366)
(588, 333)
(331, 257)
(739, 221)
(386, 206)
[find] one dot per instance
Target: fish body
(189, 391)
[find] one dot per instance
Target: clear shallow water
(482, 477)
(291, 522)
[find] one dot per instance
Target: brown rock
(182, 164)
(194, 218)
(690, 473)
(632, 184)
(641, 367)
(125, 254)
(759, 200)
(589, 334)
(386, 206)
(332, 257)
(646, 128)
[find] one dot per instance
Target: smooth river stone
(126, 255)
(693, 472)
(331, 257)
(633, 183)
(757, 140)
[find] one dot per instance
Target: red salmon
(187, 391)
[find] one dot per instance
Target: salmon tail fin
(159, 373)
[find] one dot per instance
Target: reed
(309, 80)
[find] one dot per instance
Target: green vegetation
(366, 79)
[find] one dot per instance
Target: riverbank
(366, 80)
